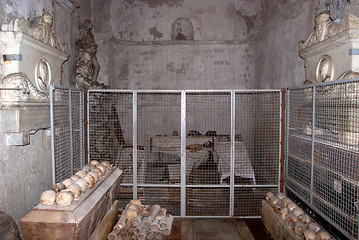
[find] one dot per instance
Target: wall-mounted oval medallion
(43, 75)
(325, 69)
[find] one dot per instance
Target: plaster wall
(278, 64)
(25, 172)
(182, 66)
(135, 48)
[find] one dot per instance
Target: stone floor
(218, 229)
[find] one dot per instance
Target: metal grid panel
(299, 130)
(162, 195)
(207, 201)
(158, 131)
(208, 120)
(248, 200)
(77, 129)
(334, 189)
(257, 133)
(67, 132)
(164, 141)
(110, 129)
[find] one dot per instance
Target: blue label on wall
(354, 51)
(12, 57)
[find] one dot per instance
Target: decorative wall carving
(325, 28)
(25, 88)
(87, 66)
(40, 30)
(348, 75)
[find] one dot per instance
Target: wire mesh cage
(323, 160)
(176, 146)
(67, 132)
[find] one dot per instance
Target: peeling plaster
(156, 34)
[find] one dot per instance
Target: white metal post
(233, 150)
(312, 157)
(183, 153)
(88, 125)
(71, 133)
(52, 89)
(134, 143)
(280, 139)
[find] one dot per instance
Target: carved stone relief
(348, 75)
(325, 69)
(26, 88)
(43, 76)
(87, 66)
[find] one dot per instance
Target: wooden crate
(278, 229)
(76, 221)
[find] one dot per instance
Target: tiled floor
(218, 229)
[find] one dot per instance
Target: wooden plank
(39, 225)
(106, 225)
(244, 231)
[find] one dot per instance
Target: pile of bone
(140, 222)
(302, 225)
(63, 193)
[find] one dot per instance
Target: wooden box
(274, 224)
(78, 220)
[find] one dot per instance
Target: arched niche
(182, 29)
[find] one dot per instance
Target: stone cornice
(15, 38)
(346, 36)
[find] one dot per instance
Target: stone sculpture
(87, 66)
